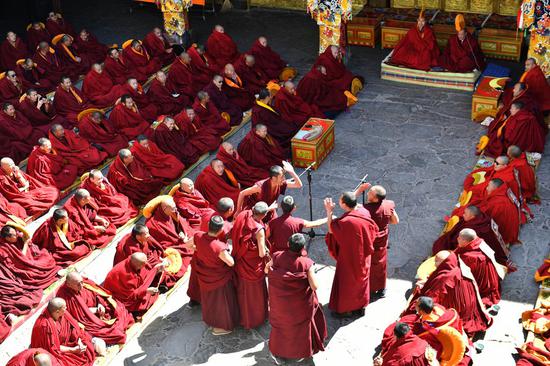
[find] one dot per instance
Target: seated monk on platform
(100, 131)
(32, 357)
(171, 140)
(32, 77)
(131, 283)
(136, 57)
(167, 99)
(407, 348)
(253, 77)
(260, 150)
(59, 333)
(536, 81)
(19, 187)
(72, 61)
(46, 60)
(127, 119)
(263, 112)
(527, 178)
(221, 49)
(84, 214)
(50, 168)
(158, 47)
(180, 77)
(99, 87)
(191, 204)
(203, 138)
(337, 74)
(462, 53)
(59, 236)
(209, 114)
(216, 182)
(245, 174)
(55, 24)
(11, 88)
(39, 111)
(147, 109)
(11, 50)
(418, 49)
(236, 90)
(161, 165)
(131, 178)
(22, 135)
(269, 61)
(118, 70)
(69, 101)
(89, 47)
(112, 205)
(94, 307)
(37, 33)
(222, 102)
(292, 108)
(298, 325)
(74, 149)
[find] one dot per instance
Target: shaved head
(441, 256)
(42, 359)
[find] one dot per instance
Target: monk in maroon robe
(40, 111)
(527, 178)
(245, 174)
(161, 165)
(99, 88)
(56, 24)
(11, 211)
(94, 307)
(100, 131)
(298, 326)
(221, 49)
(59, 236)
(11, 50)
(215, 182)
(37, 33)
(88, 46)
(59, 333)
(523, 130)
(112, 205)
(314, 88)
(260, 150)
(253, 77)
(407, 349)
(209, 114)
(137, 57)
(72, 61)
(127, 119)
(200, 64)
(158, 47)
(18, 298)
(22, 134)
(171, 140)
(236, 90)
(350, 241)
(75, 149)
(202, 138)
(50, 168)
(292, 108)
(131, 178)
(119, 70)
(33, 77)
(69, 101)
(250, 252)
(167, 99)
(47, 61)
(5, 330)
(222, 102)
(32, 357)
(418, 49)
(191, 204)
(536, 81)
(338, 76)
(147, 109)
(181, 79)
(21, 188)
(11, 88)
(267, 60)
(463, 53)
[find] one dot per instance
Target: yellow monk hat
(482, 144)
(22, 98)
(56, 39)
(465, 198)
(351, 99)
(226, 116)
(479, 177)
(173, 257)
(152, 205)
(426, 268)
(421, 14)
(19, 226)
(174, 189)
(356, 86)
(86, 112)
(127, 43)
(288, 73)
(41, 25)
(21, 61)
(460, 23)
(2, 75)
(453, 345)
(498, 83)
(451, 223)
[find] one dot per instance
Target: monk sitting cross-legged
(100, 131)
(99, 87)
(69, 101)
(209, 114)
(260, 150)
(407, 348)
(136, 57)
(462, 53)
(180, 77)
(203, 70)
(88, 46)
(37, 33)
(161, 165)
(527, 178)
(40, 111)
(32, 357)
(12, 49)
(536, 81)
(11, 88)
(236, 90)
(55, 24)
(170, 139)
(49, 167)
(72, 61)
(167, 99)
(158, 47)
(268, 60)
(118, 69)
(215, 182)
(524, 130)
(46, 59)
(252, 75)
(147, 109)
(191, 204)
(222, 102)
(221, 49)
(127, 119)
(245, 174)
(337, 75)
(32, 77)
(292, 108)
(203, 138)
(314, 88)
(11, 211)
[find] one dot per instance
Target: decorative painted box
(484, 98)
(364, 31)
(305, 152)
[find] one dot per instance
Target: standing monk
(221, 49)
(350, 240)
(50, 168)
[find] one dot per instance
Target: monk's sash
(68, 52)
(467, 273)
(106, 296)
(75, 95)
(490, 253)
(231, 83)
(262, 104)
(143, 53)
(62, 233)
(231, 178)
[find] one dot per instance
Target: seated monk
(32, 77)
(292, 108)
(451, 286)
(253, 77)
(132, 284)
(99, 88)
(338, 76)
(165, 96)
(131, 178)
(236, 90)
(191, 204)
(11, 211)
(22, 135)
(314, 88)
(209, 114)
(245, 174)
(19, 187)
(59, 333)
(89, 47)
(59, 236)
(55, 24)
(118, 69)
(136, 57)
(180, 77)
(72, 61)
(69, 101)
(48, 63)
(39, 110)
(32, 357)
(221, 49)
(199, 62)
(158, 47)
(100, 131)
(37, 33)
(11, 88)
(94, 307)
(170, 139)
(84, 214)
(268, 60)
(11, 50)
(462, 53)
(216, 182)
(222, 102)
(527, 178)
(112, 205)
(407, 348)
(536, 81)
(418, 49)
(523, 130)
(50, 168)
(5, 328)
(161, 165)
(203, 138)
(74, 149)
(127, 119)
(477, 255)
(147, 109)
(260, 150)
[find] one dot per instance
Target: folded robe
(141, 61)
(267, 60)
(77, 151)
(68, 59)
(221, 50)
(70, 103)
(202, 71)
(417, 50)
(261, 152)
(26, 358)
(35, 36)
(100, 89)
(103, 134)
(293, 109)
(254, 78)
(129, 122)
(281, 130)
(91, 48)
(174, 142)
(162, 95)
(213, 186)
(538, 85)
(237, 92)
(42, 118)
(120, 72)
(203, 138)
(245, 174)
(49, 64)
(161, 165)
(223, 104)
(210, 117)
(337, 74)
(18, 298)
(22, 135)
(315, 88)
(180, 78)
(10, 92)
(51, 169)
(11, 52)
(192, 206)
(157, 48)
(11, 211)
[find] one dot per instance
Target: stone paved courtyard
(418, 142)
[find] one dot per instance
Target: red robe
(507, 175)
(157, 48)
(83, 221)
(162, 166)
(147, 109)
(192, 206)
(22, 135)
(11, 211)
(70, 103)
(35, 79)
(213, 187)
(261, 152)
(112, 326)
(26, 358)
(267, 60)
(221, 50)
(141, 61)
(163, 97)
(237, 92)
(223, 104)
(18, 298)
(77, 151)
(538, 85)
(10, 92)
(130, 286)
(51, 335)
(463, 56)
(128, 122)
(202, 138)
(267, 194)
(409, 350)
(59, 26)
(251, 285)
(211, 118)
(180, 78)
(417, 50)
(280, 130)
(534, 355)
(254, 78)
(294, 110)
(92, 49)
(245, 174)
(112, 205)
(502, 209)
(134, 181)
(281, 229)
(65, 249)
(173, 142)
(34, 37)
(67, 58)
(120, 72)
(51, 169)
(524, 131)
(527, 178)
(49, 64)
(5, 330)
(298, 326)
(42, 118)
(338, 76)
(38, 197)
(315, 88)
(203, 72)
(9, 53)
(103, 134)
(100, 89)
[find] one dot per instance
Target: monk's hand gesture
(81, 346)
(329, 206)
(100, 310)
(161, 266)
(288, 167)
(268, 266)
(100, 229)
(152, 290)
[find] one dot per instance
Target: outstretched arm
(295, 181)
(243, 194)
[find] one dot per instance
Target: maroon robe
(173, 142)
(538, 85)
(92, 49)
(83, 218)
(267, 60)
(500, 207)
(524, 131)
(67, 58)
(9, 53)
(268, 194)
(129, 122)
(77, 151)
(157, 48)
(161, 165)
(120, 72)
(294, 110)
(223, 104)
(51, 169)
(70, 103)
(42, 118)
(141, 61)
(193, 207)
(26, 358)
(103, 134)
(10, 92)
(100, 89)
(163, 97)
(49, 64)
(202, 138)
(315, 88)
(213, 187)
(11, 211)
(261, 152)
(463, 56)
(221, 50)
(203, 72)
(210, 117)
(254, 78)
(280, 130)
(245, 174)
(527, 178)
(180, 78)
(34, 79)
(338, 76)
(238, 94)
(281, 229)
(18, 298)
(59, 26)
(409, 350)
(147, 109)
(417, 50)
(22, 135)
(34, 37)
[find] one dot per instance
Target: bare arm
(295, 181)
(394, 219)
(362, 188)
(315, 223)
(312, 279)
(226, 258)
(245, 193)
(329, 208)
(260, 239)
